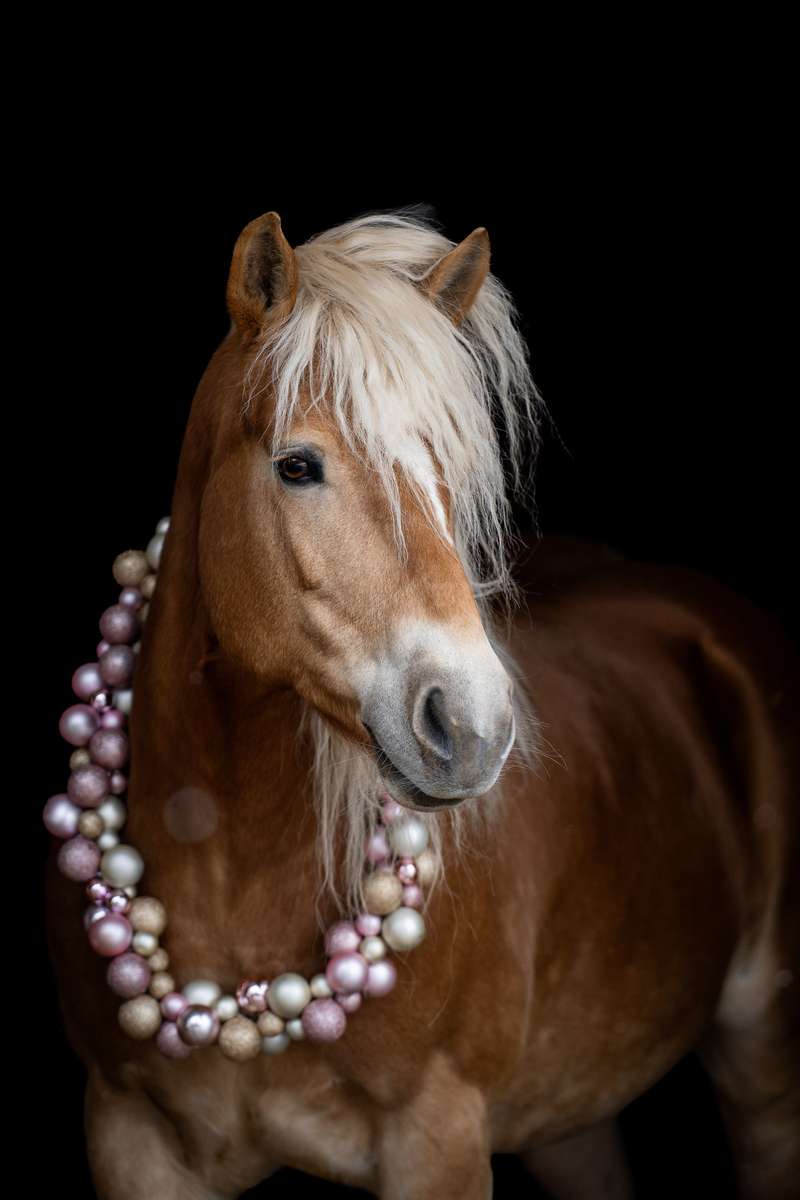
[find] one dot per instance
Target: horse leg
(753, 1056)
(590, 1165)
(134, 1151)
(437, 1146)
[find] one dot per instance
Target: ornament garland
(264, 1016)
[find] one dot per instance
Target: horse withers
(609, 776)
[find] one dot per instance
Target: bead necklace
(264, 1016)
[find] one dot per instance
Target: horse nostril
(435, 724)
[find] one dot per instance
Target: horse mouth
(400, 787)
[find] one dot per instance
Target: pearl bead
(170, 1042)
(128, 975)
(198, 1025)
(288, 995)
(90, 824)
(110, 934)
(163, 525)
(148, 586)
(226, 1008)
(381, 978)
(88, 786)
(173, 1005)
(113, 720)
(162, 984)
(158, 960)
(349, 1001)
(320, 988)
(118, 783)
(61, 816)
(383, 892)
(276, 1044)
(203, 992)
(269, 1025)
(239, 1039)
(122, 866)
(426, 868)
(145, 944)
(79, 859)
(377, 847)
(412, 896)
(108, 839)
(79, 758)
(122, 699)
(373, 948)
(86, 681)
(77, 724)
(140, 1018)
(403, 929)
(150, 916)
(408, 837)
(113, 812)
(341, 937)
(295, 1030)
(154, 549)
(130, 568)
(368, 924)
(347, 972)
(324, 1021)
(131, 597)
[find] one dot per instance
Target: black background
(642, 253)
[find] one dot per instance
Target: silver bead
(295, 1030)
(276, 1044)
(288, 995)
(403, 929)
(154, 548)
(202, 991)
(114, 813)
(320, 988)
(226, 1008)
(373, 948)
(408, 837)
(122, 866)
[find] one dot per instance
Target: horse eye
(296, 469)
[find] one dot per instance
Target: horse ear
(263, 275)
(455, 280)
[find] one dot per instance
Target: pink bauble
(341, 937)
(173, 1004)
(376, 849)
(390, 810)
(110, 935)
(347, 972)
(368, 925)
(381, 978)
(79, 859)
(350, 1002)
(324, 1021)
(170, 1042)
(61, 816)
(77, 724)
(128, 975)
(412, 896)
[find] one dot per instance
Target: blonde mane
(416, 395)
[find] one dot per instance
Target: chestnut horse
(617, 890)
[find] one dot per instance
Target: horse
(603, 752)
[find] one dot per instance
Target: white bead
(113, 812)
(163, 525)
(408, 837)
(123, 700)
(131, 892)
(202, 991)
(122, 866)
(373, 948)
(108, 839)
(144, 943)
(154, 548)
(320, 988)
(295, 1030)
(288, 995)
(226, 1008)
(403, 929)
(276, 1044)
